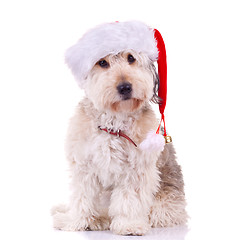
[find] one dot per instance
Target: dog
(115, 184)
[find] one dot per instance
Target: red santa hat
(112, 38)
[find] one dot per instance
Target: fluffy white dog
(116, 184)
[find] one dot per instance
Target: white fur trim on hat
(109, 38)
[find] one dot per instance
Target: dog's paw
(99, 224)
(65, 222)
(124, 226)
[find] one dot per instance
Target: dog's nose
(124, 88)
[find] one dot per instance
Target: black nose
(125, 89)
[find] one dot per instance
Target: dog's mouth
(126, 97)
(127, 104)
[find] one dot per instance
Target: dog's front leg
(80, 213)
(130, 204)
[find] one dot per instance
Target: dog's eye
(103, 64)
(131, 59)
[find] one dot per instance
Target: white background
(38, 95)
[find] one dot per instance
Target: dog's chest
(111, 155)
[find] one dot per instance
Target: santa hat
(112, 38)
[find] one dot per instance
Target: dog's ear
(155, 97)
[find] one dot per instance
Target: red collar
(118, 133)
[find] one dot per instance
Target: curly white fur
(115, 185)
